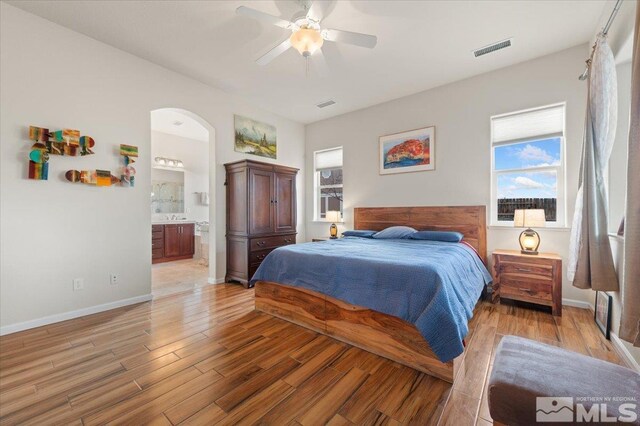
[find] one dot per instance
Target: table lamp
(529, 239)
(333, 216)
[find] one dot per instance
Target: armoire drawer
(258, 256)
(272, 242)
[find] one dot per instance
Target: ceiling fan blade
(315, 12)
(357, 39)
(273, 53)
(264, 17)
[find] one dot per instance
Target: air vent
(492, 47)
(325, 104)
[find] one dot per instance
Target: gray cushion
(524, 369)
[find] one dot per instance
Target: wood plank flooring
(206, 357)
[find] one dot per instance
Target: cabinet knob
(523, 270)
(287, 240)
(261, 243)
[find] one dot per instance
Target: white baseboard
(215, 280)
(624, 352)
(39, 322)
(577, 303)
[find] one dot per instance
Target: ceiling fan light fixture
(306, 41)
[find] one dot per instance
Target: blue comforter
(433, 285)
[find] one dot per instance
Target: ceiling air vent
(492, 47)
(325, 104)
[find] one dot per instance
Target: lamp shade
(530, 218)
(333, 216)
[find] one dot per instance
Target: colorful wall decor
(69, 142)
(60, 142)
(92, 177)
(130, 154)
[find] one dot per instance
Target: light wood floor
(178, 276)
(206, 357)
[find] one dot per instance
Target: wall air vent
(492, 47)
(325, 104)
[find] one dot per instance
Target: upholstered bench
(576, 385)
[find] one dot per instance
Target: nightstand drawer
(534, 270)
(523, 295)
(540, 290)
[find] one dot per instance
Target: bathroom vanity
(172, 241)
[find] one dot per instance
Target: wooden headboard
(471, 221)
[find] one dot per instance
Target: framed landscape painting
(411, 151)
(254, 137)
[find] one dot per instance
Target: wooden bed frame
(373, 331)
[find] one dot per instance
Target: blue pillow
(447, 236)
(358, 233)
(394, 232)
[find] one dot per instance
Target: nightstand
(318, 239)
(529, 278)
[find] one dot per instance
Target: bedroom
(104, 69)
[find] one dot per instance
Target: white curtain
(630, 321)
(590, 262)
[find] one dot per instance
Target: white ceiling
(166, 121)
(421, 44)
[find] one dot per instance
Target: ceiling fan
(307, 36)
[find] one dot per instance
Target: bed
(409, 301)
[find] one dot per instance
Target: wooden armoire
(261, 214)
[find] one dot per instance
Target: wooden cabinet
(529, 278)
(261, 214)
(172, 242)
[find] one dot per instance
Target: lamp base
(333, 231)
(529, 242)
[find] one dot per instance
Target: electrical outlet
(78, 284)
(113, 279)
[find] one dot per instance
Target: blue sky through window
(528, 155)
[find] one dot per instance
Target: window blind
(523, 125)
(328, 159)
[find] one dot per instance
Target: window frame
(560, 169)
(317, 194)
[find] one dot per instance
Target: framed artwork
(410, 151)
(254, 137)
(602, 314)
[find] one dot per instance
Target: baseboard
(577, 303)
(51, 319)
(624, 353)
(215, 280)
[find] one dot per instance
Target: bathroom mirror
(167, 191)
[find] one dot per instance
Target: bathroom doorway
(181, 203)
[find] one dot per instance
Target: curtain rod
(605, 30)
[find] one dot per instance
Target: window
(527, 164)
(327, 166)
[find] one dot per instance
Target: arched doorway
(182, 201)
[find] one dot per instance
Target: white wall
(54, 231)
(194, 154)
(461, 112)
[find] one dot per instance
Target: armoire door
(261, 201)
(186, 239)
(285, 202)
(171, 240)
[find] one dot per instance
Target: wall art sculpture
(130, 154)
(59, 142)
(69, 142)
